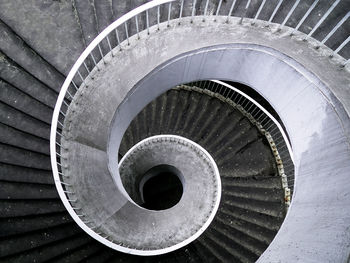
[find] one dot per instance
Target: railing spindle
(147, 21)
(289, 14)
(336, 27)
(126, 33)
(275, 11)
(305, 16)
(193, 10)
(137, 27)
(323, 18)
(231, 9)
(218, 9)
(259, 11)
(169, 14)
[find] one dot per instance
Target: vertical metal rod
(248, 110)
(206, 7)
(346, 62)
(137, 27)
(289, 13)
(275, 11)
(193, 10)
(169, 14)
(158, 16)
(65, 103)
(75, 85)
(323, 17)
(86, 67)
(102, 56)
(342, 45)
(235, 98)
(218, 9)
(147, 21)
(336, 27)
(305, 16)
(80, 76)
(231, 9)
(259, 11)
(94, 60)
(118, 39)
(109, 45)
(244, 14)
(126, 32)
(181, 9)
(69, 94)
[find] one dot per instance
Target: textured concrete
(58, 39)
(272, 63)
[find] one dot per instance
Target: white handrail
(81, 61)
(56, 113)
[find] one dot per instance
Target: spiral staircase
(244, 129)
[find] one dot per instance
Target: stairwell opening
(161, 187)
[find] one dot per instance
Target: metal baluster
(69, 94)
(169, 14)
(336, 27)
(64, 115)
(109, 45)
(275, 11)
(147, 21)
(137, 27)
(323, 18)
(231, 9)
(218, 9)
(94, 60)
(60, 134)
(305, 16)
(158, 16)
(205, 9)
(75, 85)
(118, 40)
(102, 56)
(81, 77)
(193, 10)
(245, 11)
(86, 67)
(259, 11)
(181, 10)
(289, 14)
(126, 32)
(341, 45)
(60, 123)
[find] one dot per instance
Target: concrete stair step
(16, 208)
(46, 252)
(21, 225)
(22, 191)
(27, 241)
(20, 173)
(20, 79)
(24, 122)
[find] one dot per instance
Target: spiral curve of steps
(34, 61)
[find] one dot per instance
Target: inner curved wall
(314, 118)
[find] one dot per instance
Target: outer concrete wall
(316, 227)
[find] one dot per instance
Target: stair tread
(58, 40)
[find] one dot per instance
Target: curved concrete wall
(274, 64)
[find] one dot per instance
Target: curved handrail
(55, 120)
(65, 93)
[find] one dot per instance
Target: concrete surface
(312, 106)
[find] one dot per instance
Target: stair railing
(112, 39)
